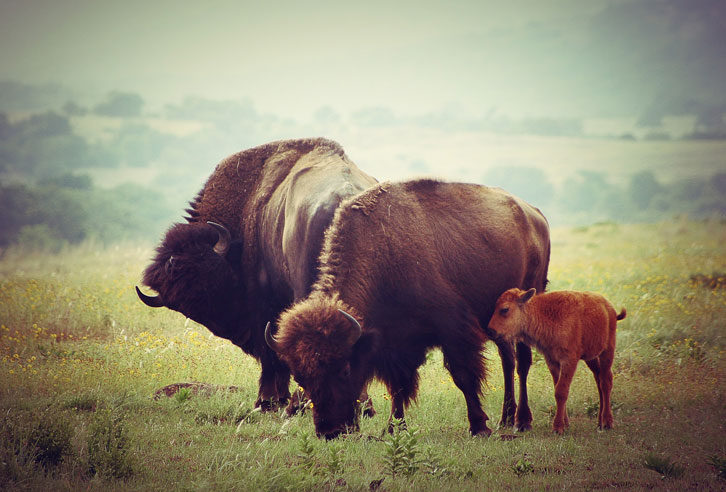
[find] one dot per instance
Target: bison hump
(366, 202)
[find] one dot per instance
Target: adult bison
(407, 267)
(251, 243)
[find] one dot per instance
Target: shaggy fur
(419, 265)
(276, 200)
(565, 326)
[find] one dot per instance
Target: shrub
(108, 446)
(50, 438)
(663, 465)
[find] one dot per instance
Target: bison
(565, 326)
(407, 267)
(251, 243)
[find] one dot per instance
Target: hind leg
(509, 407)
(594, 365)
(466, 367)
(606, 385)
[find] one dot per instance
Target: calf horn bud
(224, 238)
(271, 340)
(149, 300)
(357, 330)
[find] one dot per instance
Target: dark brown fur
(566, 327)
(276, 200)
(419, 264)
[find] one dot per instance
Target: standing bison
(407, 267)
(251, 243)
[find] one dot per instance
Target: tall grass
(75, 342)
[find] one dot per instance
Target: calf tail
(622, 314)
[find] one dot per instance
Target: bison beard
(405, 268)
(251, 244)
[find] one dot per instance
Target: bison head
(196, 271)
(320, 342)
(509, 319)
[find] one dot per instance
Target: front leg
(523, 420)
(398, 404)
(273, 384)
(562, 391)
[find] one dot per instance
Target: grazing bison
(566, 327)
(251, 243)
(407, 267)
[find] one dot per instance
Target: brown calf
(565, 327)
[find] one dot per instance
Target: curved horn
(271, 340)
(149, 300)
(224, 238)
(357, 330)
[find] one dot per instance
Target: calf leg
(594, 366)
(606, 385)
(523, 419)
(562, 391)
(509, 407)
(554, 368)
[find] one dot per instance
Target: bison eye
(503, 311)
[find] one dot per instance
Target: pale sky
(563, 58)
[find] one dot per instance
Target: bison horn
(148, 300)
(224, 238)
(357, 330)
(271, 340)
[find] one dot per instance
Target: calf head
(317, 340)
(508, 319)
(196, 271)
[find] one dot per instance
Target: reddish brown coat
(566, 327)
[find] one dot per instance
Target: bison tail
(622, 314)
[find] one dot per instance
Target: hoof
(485, 432)
(523, 427)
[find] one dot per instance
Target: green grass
(77, 345)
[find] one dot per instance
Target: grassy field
(82, 358)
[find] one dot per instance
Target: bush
(108, 446)
(50, 439)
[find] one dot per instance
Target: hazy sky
(567, 58)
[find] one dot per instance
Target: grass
(78, 349)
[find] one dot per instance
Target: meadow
(81, 359)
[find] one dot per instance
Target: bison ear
(527, 296)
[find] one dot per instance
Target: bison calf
(565, 327)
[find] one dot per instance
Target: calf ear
(527, 295)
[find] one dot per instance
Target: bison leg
(606, 385)
(274, 389)
(509, 407)
(467, 370)
(523, 418)
(367, 402)
(562, 391)
(594, 366)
